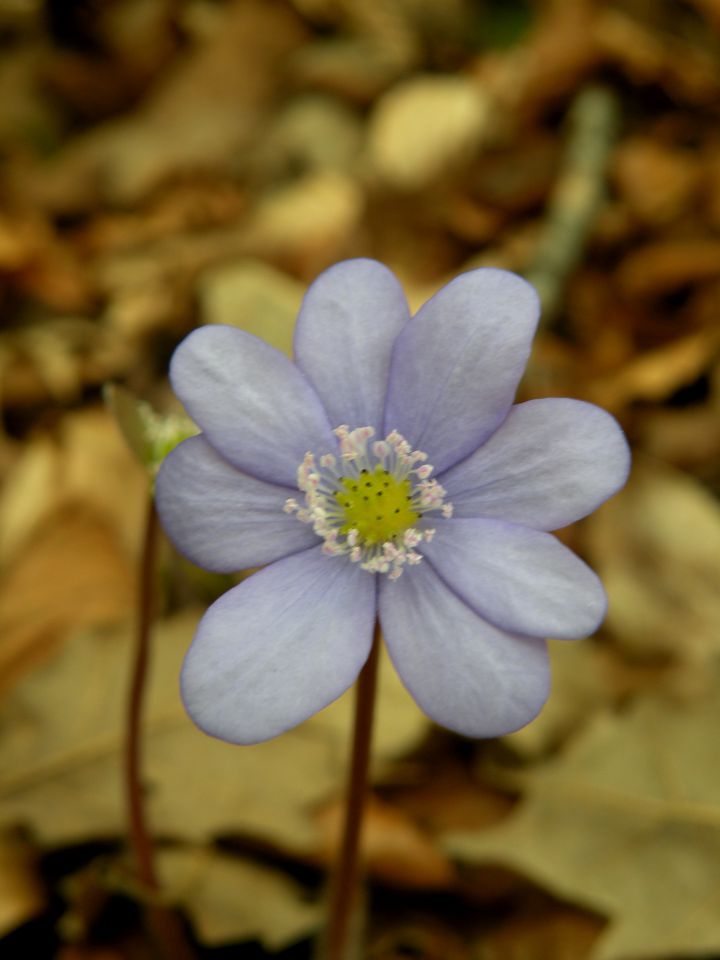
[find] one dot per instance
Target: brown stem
(345, 880)
(163, 921)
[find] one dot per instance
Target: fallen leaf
(22, 895)
(626, 822)
(206, 110)
(61, 735)
(87, 462)
(306, 221)
(656, 374)
(656, 546)
(551, 933)
(255, 297)
(658, 182)
(51, 590)
(393, 847)
(230, 899)
(425, 126)
(665, 266)
(582, 684)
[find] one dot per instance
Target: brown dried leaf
(686, 70)
(22, 895)
(61, 735)
(230, 899)
(665, 266)
(208, 109)
(582, 684)
(255, 297)
(393, 847)
(656, 182)
(547, 933)
(626, 823)
(307, 222)
(424, 127)
(656, 374)
(656, 546)
(89, 463)
(52, 589)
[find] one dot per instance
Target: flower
(384, 473)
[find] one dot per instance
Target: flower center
(377, 505)
(370, 504)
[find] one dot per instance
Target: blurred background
(170, 163)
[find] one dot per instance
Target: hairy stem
(164, 923)
(347, 870)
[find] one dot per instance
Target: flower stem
(347, 870)
(164, 923)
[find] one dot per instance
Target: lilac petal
(220, 518)
(456, 365)
(347, 325)
(279, 647)
(520, 579)
(253, 405)
(551, 462)
(463, 672)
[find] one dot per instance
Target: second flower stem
(168, 931)
(347, 871)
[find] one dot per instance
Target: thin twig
(578, 193)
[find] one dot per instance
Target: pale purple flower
(383, 474)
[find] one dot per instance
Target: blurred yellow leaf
(255, 297)
(424, 127)
(228, 898)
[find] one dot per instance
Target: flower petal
(220, 518)
(456, 365)
(253, 404)
(551, 462)
(462, 671)
(347, 325)
(520, 579)
(279, 647)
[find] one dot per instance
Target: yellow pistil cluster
(370, 503)
(377, 505)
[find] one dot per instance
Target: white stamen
(322, 480)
